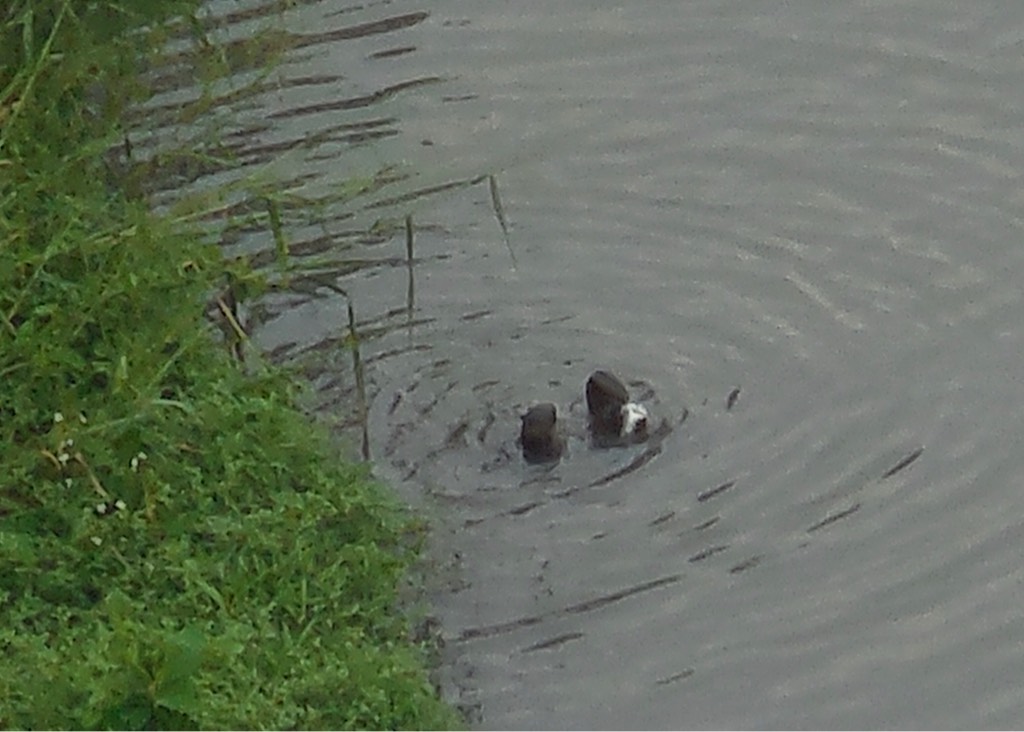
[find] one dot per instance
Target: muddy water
(797, 225)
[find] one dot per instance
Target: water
(817, 203)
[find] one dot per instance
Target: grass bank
(179, 546)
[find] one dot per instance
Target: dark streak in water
(707, 524)
(556, 319)
(362, 30)
(675, 677)
(662, 519)
(746, 564)
(731, 399)
(256, 12)
(904, 463)
(622, 594)
(475, 315)
(709, 552)
(309, 80)
(355, 138)
(636, 464)
(404, 350)
(250, 154)
(392, 52)
(429, 190)
(558, 640)
(834, 517)
(653, 450)
(160, 115)
(706, 495)
(525, 508)
(355, 102)
(489, 631)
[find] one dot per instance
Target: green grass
(179, 546)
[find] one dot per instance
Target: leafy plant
(179, 546)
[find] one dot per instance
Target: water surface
(816, 203)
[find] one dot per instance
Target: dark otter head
(606, 396)
(612, 415)
(539, 436)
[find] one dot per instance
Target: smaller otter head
(539, 436)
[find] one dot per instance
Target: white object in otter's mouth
(634, 418)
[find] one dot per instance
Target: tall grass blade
(499, 212)
(357, 368)
(411, 290)
(280, 242)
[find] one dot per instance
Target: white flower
(101, 508)
(96, 540)
(58, 417)
(137, 460)
(82, 419)
(120, 505)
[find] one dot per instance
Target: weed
(179, 546)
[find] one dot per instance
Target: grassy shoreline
(179, 546)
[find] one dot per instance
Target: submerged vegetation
(179, 546)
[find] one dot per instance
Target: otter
(613, 420)
(540, 437)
